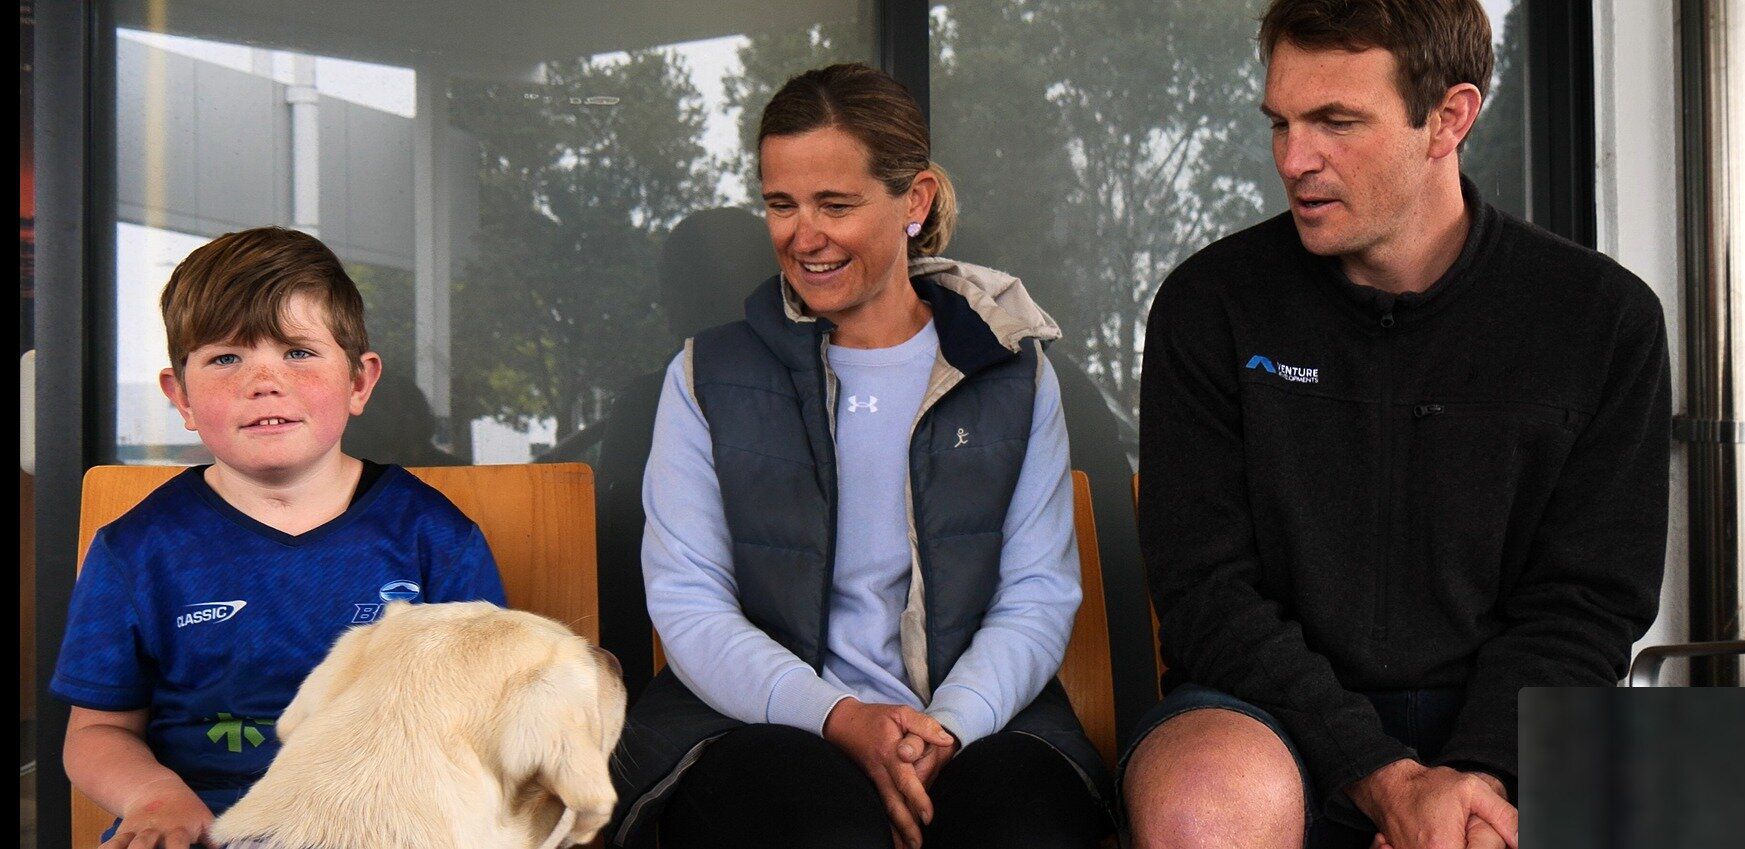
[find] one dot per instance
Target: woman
(859, 551)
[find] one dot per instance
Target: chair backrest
(1156, 651)
(1086, 673)
(537, 518)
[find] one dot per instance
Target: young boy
(199, 612)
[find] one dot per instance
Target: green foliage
(1096, 144)
(574, 200)
(1495, 156)
(767, 60)
(388, 312)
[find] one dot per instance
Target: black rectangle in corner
(1613, 767)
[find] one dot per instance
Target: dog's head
(540, 707)
(554, 743)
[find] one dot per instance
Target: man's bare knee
(1213, 777)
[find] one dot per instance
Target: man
(1401, 455)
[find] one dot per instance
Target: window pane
(500, 185)
(1096, 145)
(1495, 156)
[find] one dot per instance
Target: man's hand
(1479, 835)
(869, 734)
(1419, 807)
(164, 813)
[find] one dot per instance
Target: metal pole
(433, 248)
(305, 101)
(1713, 66)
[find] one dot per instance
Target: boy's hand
(165, 813)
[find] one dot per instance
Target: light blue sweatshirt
(740, 671)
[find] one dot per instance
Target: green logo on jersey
(234, 729)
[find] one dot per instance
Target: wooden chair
(1156, 651)
(537, 518)
(1086, 674)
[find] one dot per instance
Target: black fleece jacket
(1344, 490)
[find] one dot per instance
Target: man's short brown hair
(234, 289)
(1438, 44)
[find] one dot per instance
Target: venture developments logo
(1295, 374)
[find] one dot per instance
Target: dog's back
(446, 725)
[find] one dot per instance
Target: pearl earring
(914, 229)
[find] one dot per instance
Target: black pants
(776, 787)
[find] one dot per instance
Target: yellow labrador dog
(441, 726)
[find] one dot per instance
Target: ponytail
(941, 218)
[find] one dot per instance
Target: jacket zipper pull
(1387, 319)
(1423, 411)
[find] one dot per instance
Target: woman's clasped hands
(902, 750)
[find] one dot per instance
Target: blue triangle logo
(1258, 361)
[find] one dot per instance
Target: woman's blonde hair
(878, 112)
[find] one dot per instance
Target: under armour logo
(855, 405)
(962, 438)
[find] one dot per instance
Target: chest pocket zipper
(1424, 411)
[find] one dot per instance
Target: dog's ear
(340, 669)
(552, 736)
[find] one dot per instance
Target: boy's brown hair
(234, 289)
(1438, 44)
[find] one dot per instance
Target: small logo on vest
(962, 438)
(1295, 374)
(870, 405)
(210, 611)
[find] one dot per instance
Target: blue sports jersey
(210, 619)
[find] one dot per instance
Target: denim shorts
(1421, 719)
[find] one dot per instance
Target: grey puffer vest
(766, 389)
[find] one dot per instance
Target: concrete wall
(206, 149)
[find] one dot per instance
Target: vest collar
(982, 315)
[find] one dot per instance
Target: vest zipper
(830, 389)
(930, 400)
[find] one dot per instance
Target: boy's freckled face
(272, 408)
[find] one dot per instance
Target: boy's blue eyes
(233, 359)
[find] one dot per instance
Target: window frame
(75, 167)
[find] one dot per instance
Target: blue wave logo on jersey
(399, 591)
(1258, 361)
(201, 612)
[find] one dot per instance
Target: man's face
(1354, 167)
(270, 409)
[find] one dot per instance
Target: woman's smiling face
(838, 234)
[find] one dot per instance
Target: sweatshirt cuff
(963, 712)
(802, 700)
(1336, 804)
